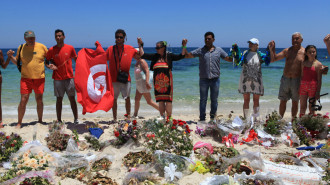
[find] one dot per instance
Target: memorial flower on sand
(8, 145)
(57, 141)
(304, 136)
(35, 180)
(172, 136)
(274, 124)
(315, 124)
(27, 162)
(126, 130)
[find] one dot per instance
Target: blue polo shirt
(209, 62)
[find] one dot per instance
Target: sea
(186, 88)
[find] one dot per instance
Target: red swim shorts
(38, 85)
(308, 88)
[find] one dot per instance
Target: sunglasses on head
(119, 37)
(157, 48)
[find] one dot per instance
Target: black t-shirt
(154, 57)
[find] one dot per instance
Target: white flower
(160, 131)
(40, 154)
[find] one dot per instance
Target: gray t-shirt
(209, 62)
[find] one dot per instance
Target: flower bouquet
(28, 161)
(78, 174)
(274, 124)
(240, 167)
(173, 136)
(35, 180)
(287, 160)
(225, 152)
(56, 126)
(258, 181)
(315, 124)
(215, 162)
(33, 177)
(100, 179)
(94, 143)
(71, 165)
(101, 164)
(126, 130)
(134, 159)
(304, 136)
(57, 141)
(163, 159)
(8, 145)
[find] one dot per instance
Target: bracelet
(184, 46)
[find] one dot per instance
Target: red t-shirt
(125, 62)
(63, 60)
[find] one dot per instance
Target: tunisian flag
(93, 81)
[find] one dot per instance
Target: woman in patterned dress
(161, 64)
(251, 77)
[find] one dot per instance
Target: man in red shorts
(120, 58)
(60, 61)
(32, 55)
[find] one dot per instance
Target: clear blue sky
(237, 21)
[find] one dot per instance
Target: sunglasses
(119, 37)
(157, 48)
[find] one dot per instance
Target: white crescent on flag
(93, 81)
(96, 84)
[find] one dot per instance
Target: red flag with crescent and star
(93, 81)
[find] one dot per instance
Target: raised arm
(140, 43)
(273, 55)
(2, 61)
(11, 57)
(184, 47)
(327, 42)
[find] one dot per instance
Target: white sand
(118, 171)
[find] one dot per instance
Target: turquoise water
(186, 88)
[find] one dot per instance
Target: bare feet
(18, 126)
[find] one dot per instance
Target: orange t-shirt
(125, 62)
(63, 60)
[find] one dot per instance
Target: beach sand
(117, 171)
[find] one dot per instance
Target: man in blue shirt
(209, 73)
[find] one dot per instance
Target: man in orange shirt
(120, 58)
(60, 61)
(32, 55)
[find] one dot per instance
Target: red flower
(134, 128)
(8, 137)
(187, 127)
(116, 133)
(134, 122)
(211, 162)
(173, 127)
(12, 145)
(181, 123)
(326, 117)
(188, 131)
(153, 135)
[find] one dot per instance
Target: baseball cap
(29, 34)
(254, 41)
